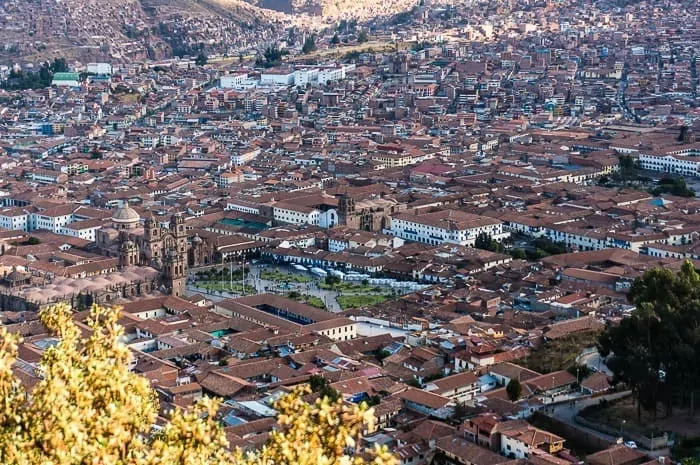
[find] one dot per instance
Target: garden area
(361, 300)
(355, 295)
(348, 287)
(222, 280)
(329, 293)
(282, 277)
(225, 286)
(333, 283)
(307, 299)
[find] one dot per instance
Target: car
(631, 444)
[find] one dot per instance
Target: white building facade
(452, 227)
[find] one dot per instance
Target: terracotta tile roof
(431, 429)
(222, 384)
(452, 382)
(616, 455)
(597, 382)
(552, 380)
(468, 452)
(533, 437)
(417, 396)
(513, 371)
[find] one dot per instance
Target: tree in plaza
(518, 254)
(514, 390)
(88, 407)
(484, 241)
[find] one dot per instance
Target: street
(567, 412)
(592, 359)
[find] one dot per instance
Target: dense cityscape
(478, 219)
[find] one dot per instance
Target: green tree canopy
(514, 390)
(655, 350)
(309, 44)
(201, 59)
(484, 241)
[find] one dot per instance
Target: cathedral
(162, 248)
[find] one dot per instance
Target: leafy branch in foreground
(88, 408)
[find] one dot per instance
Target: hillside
(128, 30)
(237, 10)
(135, 30)
(36, 29)
(332, 10)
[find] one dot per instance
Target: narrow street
(567, 412)
(592, 359)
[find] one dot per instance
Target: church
(155, 245)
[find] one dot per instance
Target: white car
(631, 444)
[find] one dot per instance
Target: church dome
(17, 276)
(125, 215)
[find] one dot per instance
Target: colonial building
(372, 214)
(163, 248)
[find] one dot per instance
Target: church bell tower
(175, 273)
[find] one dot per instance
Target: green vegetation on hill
(271, 57)
(558, 354)
(21, 80)
(655, 350)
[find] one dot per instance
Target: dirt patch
(559, 354)
(622, 415)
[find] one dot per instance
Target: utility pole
(243, 271)
(220, 277)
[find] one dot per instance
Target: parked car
(631, 444)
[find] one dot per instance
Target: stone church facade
(162, 248)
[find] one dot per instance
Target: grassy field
(361, 300)
(308, 300)
(281, 277)
(225, 286)
(345, 286)
(559, 354)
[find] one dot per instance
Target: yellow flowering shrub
(88, 408)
